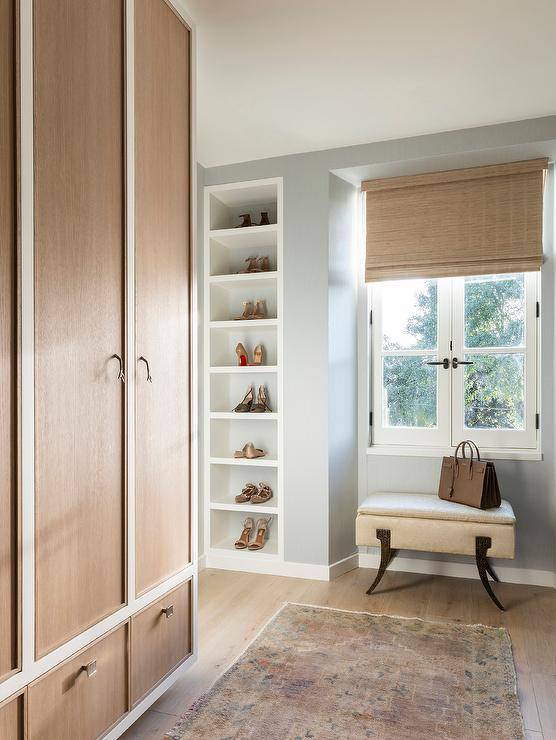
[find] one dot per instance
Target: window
(455, 358)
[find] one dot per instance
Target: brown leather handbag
(470, 481)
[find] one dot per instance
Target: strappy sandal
(259, 541)
(250, 452)
(245, 406)
(262, 402)
(263, 264)
(264, 494)
(259, 311)
(249, 311)
(252, 265)
(243, 542)
(247, 492)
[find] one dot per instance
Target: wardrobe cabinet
(9, 499)
(162, 207)
(97, 564)
(79, 321)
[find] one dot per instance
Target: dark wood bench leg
(482, 545)
(386, 555)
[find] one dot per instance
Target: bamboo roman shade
(477, 221)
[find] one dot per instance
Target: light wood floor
(234, 606)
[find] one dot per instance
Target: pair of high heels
(251, 494)
(243, 543)
(248, 404)
(242, 359)
(256, 264)
(247, 221)
(252, 311)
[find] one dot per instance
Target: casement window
(455, 358)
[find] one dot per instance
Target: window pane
(494, 311)
(409, 388)
(409, 314)
(494, 392)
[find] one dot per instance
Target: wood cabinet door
(9, 551)
(79, 314)
(12, 718)
(160, 639)
(162, 203)
(85, 696)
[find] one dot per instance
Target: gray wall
(315, 497)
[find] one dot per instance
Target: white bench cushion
(426, 523)
(429, 506)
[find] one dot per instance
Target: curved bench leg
(386, 555)
(482, 545)
(491, 572)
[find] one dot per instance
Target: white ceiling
(284, 76)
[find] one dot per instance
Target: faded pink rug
(324, 673)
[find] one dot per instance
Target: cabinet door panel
(162, 163)
(160, 639)
(79, 299)
(11, 719)
(8, 345)
(69, 703)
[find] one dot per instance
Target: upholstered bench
(418, 521)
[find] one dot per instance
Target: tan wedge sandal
(250, 452)
(248, 312)
(260, 538)
(263, 494)
(243, 542)
(248, 491)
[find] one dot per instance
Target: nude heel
(241, 355)
(259, 541)
(243, 541)
(258, 355)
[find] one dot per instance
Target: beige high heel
(241, 353)
(249, 452)
(262, 402)
(258, 355)
(248, 312)
(259, 541)
(259, 312)
(243, 540)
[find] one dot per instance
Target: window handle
(456, 362)
(445, 363)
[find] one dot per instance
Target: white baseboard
(507, 574)
(340, 567)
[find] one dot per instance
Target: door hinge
(538, 309)
(537, 421)
(370, 418)
(370, 318)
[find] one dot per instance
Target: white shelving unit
(225, 288)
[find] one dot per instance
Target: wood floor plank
(233, 607)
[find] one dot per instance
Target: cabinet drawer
(11, 718)
(84, 696)
(160, 639)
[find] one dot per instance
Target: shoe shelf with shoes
(243, 425)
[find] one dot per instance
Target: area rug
(319, 673)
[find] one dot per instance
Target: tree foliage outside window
(494, 392)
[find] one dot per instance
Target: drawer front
(11, 719)
(160, 639)
(85, 696)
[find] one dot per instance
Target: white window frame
(513, 444)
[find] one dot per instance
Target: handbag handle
(467, 443)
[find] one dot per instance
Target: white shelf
(254, 237)
(227, 369)
(269, 552)
(235, 416)
(258, 462)
(246, 508)
(244, 279)
(243, 324)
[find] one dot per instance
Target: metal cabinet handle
(445, 363)
(168, 611)
(121, 375)
(90, 669)
(149, 376)
(456, 362)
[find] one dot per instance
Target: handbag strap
(469, 443)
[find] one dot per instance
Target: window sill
(415, 451)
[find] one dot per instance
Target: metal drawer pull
(149, 376)
(168, 611)
(456, 362)
(90, 669)
(121, 375)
